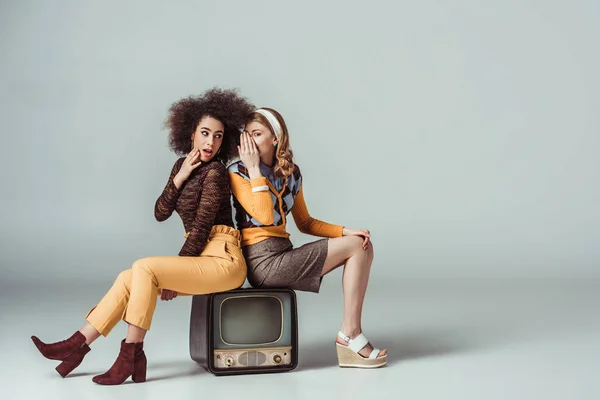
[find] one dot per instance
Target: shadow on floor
(418, 344)
(403, 346)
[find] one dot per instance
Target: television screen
(251, 320)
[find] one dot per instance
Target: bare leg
(89, 332)
(135, 334)
(348, 251)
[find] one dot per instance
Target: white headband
(273, 121)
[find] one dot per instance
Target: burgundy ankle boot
(60, 350)
(71, 362)
(139, 364)
(130, 362)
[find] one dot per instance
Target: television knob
(229, 361)
(277, 358)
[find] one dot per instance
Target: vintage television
(246, 330)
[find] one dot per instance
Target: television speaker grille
(252, 358)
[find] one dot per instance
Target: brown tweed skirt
(274, 262)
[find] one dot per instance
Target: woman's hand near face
(189, 164)
(249, 155)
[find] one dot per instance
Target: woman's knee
(342, 249)
(140, 264)
(357, 247)
(355, 243)
(124, 278)
(146, 268)
(370, 251)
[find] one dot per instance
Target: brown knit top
(201, 202)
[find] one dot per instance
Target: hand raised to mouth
(248, 151)
(189, 164)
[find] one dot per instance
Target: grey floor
(446, 340)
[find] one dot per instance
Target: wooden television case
(201, 333)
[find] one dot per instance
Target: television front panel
(245, 331)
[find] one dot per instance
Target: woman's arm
(309, 225)
(253, 194)
(214, 188)
(165, 204)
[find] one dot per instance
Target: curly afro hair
(224, 105)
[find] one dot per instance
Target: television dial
(229, 361)
(277, 358)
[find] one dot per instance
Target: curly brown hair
(224, 105)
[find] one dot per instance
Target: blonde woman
(267, 186)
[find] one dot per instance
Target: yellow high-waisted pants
(132, 298)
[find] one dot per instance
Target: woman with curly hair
(267, 186)
(202, 130)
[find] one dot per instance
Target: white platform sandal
(348, 355)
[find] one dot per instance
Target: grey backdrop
(464, 136)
